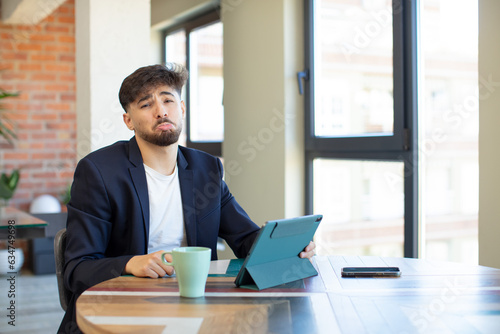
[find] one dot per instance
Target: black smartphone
(371, 272)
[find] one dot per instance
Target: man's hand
(308, 251)
(149, 265)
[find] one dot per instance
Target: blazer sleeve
(88, 231)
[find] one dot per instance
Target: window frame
(402, 146)
(200, 21)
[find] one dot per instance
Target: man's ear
(128, 121)
(183, 107)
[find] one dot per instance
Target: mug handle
(165, 261)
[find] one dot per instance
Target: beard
(164, 138)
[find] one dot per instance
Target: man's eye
(166, 101)
(144, 106)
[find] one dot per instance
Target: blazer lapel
(138, 175)
(187, 195)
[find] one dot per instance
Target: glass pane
(362, 203)
(206, 84)
(175, 47)
(175, 51)
(353, 68)
(449, 129)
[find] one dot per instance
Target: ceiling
(27, 12)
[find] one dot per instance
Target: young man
(136, 199)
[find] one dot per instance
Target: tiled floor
(36, 300)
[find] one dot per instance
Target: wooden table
(26, 226)
(429, 297)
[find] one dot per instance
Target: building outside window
(197, 44)
(392, 133)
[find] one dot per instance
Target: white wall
(489, 134)
(108, 48)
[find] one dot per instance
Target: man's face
(156, 116)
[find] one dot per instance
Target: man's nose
(161, 109)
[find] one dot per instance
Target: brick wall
(38, 61)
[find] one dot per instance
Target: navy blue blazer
(108, 214)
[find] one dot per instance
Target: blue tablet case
(274, 257)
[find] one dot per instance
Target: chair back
(59, 248)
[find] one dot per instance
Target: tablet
(274, 257)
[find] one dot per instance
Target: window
(197, 44)
(449, 119)
(388, 165)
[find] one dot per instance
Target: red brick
(66, 19)
(8, 88)
(6, 35)
(67, 155)
(44, 117)
(22, 137)
(64, 145)
(50, 18)
(32, 185)
(57, 28)
(7, 66)
(29, 107)
(29, 47)
(42, 37)
(24, 87)
(68, 97)
(30, 126)
(66, 39)
(30, 67)
(58, 48)
(67, 9)
(13, 76)
(23, 96)
(43, 155)
(43, 135)
(58, 106)
(56, 87)
(43, 57)
(11, 166)
(37, 145)
(15, 56)
(17, 117)
(58, 67)
(58, 126)
(4, 145)
(44, 175)
(57, 185)
(9, 106)
(32, 165)
(70, 77)
(30, 26)
(44, 96)
(6, 46)
(15, 156)
(22, 107)
(43, 76)
(70, 58)
(68, 116)
(67, 175)
(20, 36)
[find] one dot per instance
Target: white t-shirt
(166, 219)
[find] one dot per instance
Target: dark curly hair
(149, 77)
